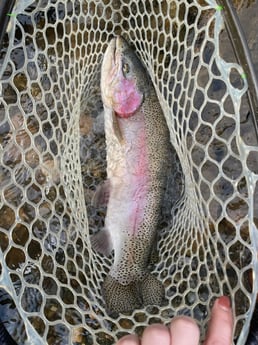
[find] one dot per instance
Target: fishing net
(53, 159)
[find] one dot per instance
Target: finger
(184, 331)
(220, 329)
(129, 340)
(156, 334)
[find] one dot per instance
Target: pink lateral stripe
(139, 182)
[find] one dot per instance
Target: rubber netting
(53, 158)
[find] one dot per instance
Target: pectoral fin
(117, 128)
(101, 196)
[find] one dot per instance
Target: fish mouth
(117, 50)
(109, 63)
(118, 46)
(111, 70)
(114, 50)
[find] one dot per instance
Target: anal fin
(101, 242)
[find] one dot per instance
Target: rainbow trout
(138, 144)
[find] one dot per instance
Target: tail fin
(120, 298)
(124, 298)
(152, 290)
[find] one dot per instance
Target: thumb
(220, 330)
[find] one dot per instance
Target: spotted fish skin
(138, 145)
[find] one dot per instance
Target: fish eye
(125, 68)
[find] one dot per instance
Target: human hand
(184, 330)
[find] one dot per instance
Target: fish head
(124, 80)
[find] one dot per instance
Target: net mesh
(53, 158)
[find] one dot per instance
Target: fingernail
(224, 303)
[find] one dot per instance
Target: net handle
(6, 7)
(242, 53)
